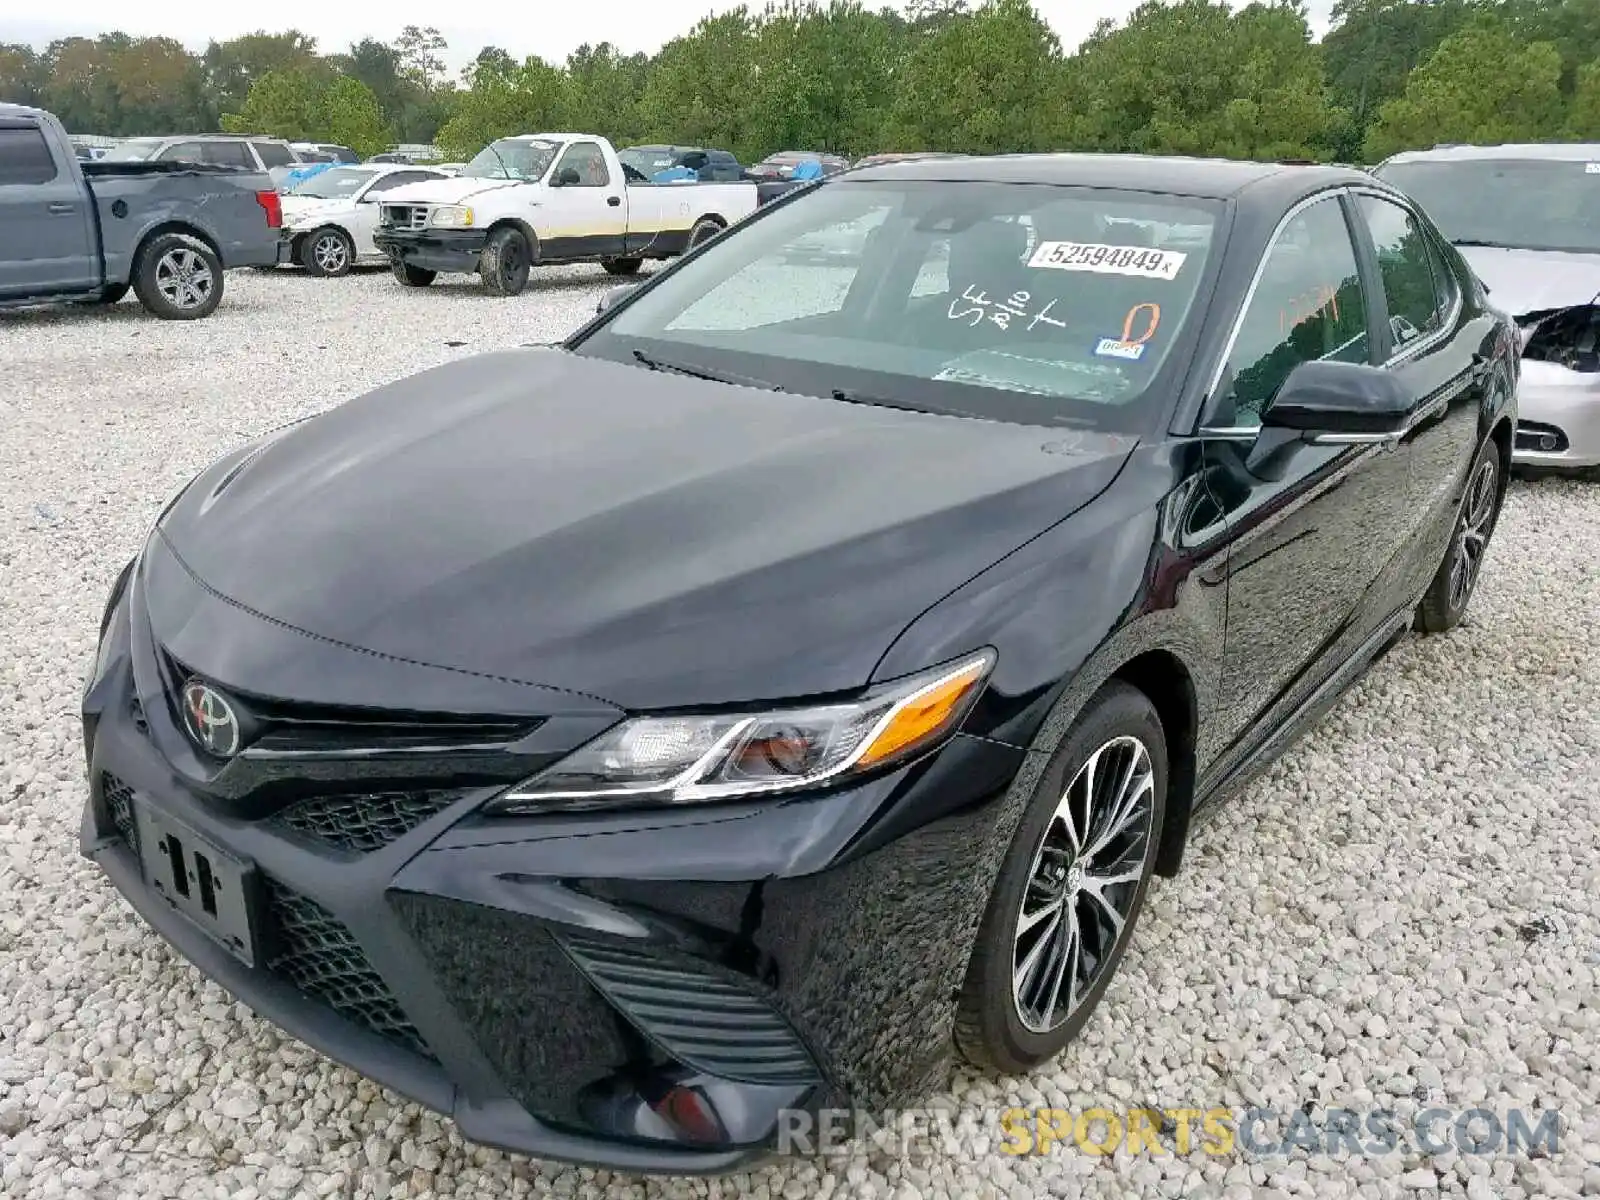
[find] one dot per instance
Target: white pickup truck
(548, 198)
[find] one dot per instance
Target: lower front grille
(315, 952)
(363, 823)
(119, 807)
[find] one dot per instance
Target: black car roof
(1212, 178)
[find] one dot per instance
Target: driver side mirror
(1327, 403)
(565, 177)
(612, 296)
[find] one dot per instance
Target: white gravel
(1405, 911)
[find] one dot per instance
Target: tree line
(1174, 77)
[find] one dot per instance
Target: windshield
(1530, 204)
(509, 158)
(1042, 305)
(336, 183)
(133, 150)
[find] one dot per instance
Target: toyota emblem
(210, 719)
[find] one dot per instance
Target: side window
(1414, 280)
(586, 159)
(24, 155)
(273, 154)
(1308, 305)
(227, 154)
(182, 152)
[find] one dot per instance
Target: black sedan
(803, 668)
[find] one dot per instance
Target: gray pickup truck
(85, 232)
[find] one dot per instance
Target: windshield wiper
(661, 364)
(880, 401)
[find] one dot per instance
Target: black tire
(178, 277)
(622, 266)
(327, 252)
(505, 262)
(412, 276)
(990, 1029)
(1445, 602)
(704, 230)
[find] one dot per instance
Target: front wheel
(1445, 602)
(328, 253)
(412, 276)
(1070, 888)
(178, 277)
(505, 261)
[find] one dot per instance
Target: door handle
(613, 200)
(60, 207)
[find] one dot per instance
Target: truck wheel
(622, 266)
(503, 267)
(178, 277)
(704, 230)
(328, 253)
(412, 276)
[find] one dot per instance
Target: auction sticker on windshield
(1101, 259)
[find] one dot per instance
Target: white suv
(273, 155)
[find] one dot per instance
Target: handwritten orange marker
(1127, 323)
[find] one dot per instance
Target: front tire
(328, 253)
(412, 276)
(1070, 889)
(505, 262)
(1445, 602)
(178, 277)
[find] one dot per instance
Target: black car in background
(614, 745)
(708, 165)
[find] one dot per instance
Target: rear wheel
(703, 231)
(412, 276)
(1445, 602)
(328, 252)
(178, 277)
(504, 264)
(1070, 889)
(622, 266)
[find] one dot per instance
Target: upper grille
(705, 1021)
(363, 823)
(119, 806)
(320, 957)
(406, 216)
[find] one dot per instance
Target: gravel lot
(1404, 912)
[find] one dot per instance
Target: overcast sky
(548, 30)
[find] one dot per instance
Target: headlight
(451, 216)
(684, 759)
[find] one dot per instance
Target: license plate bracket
(218, 892)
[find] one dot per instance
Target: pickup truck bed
(74, 232)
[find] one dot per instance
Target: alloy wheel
(1083, 883)
(1472, 531)
(184, 278)
(330, 253)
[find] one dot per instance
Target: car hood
(445, 191)
(649, 539)
(1526, 281)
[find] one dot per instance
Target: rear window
(274, 154)
(1527, 204)
(1046, 305)
(133, 150)
(24, 156)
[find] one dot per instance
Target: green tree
(1480, 85)
(348, 115)
(161, 88)
(286, 104)
(234, 66)
(602, 92)
(22, 74)
(419, 54)
(984, 82)
(500, 103)
(700, 87)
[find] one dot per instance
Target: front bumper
(1558, 417)
(647, 991)
(433, 249)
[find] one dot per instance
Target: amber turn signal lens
(924, 715)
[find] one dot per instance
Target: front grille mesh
(366, 822)
(119, 806)
(703, 1020)
(320, 957)
(406, 216)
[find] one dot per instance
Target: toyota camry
(806, 667)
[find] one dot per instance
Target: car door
(362, 222)
(1310, 552)
(1436, 349)
(587, 217)
(47, 241)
